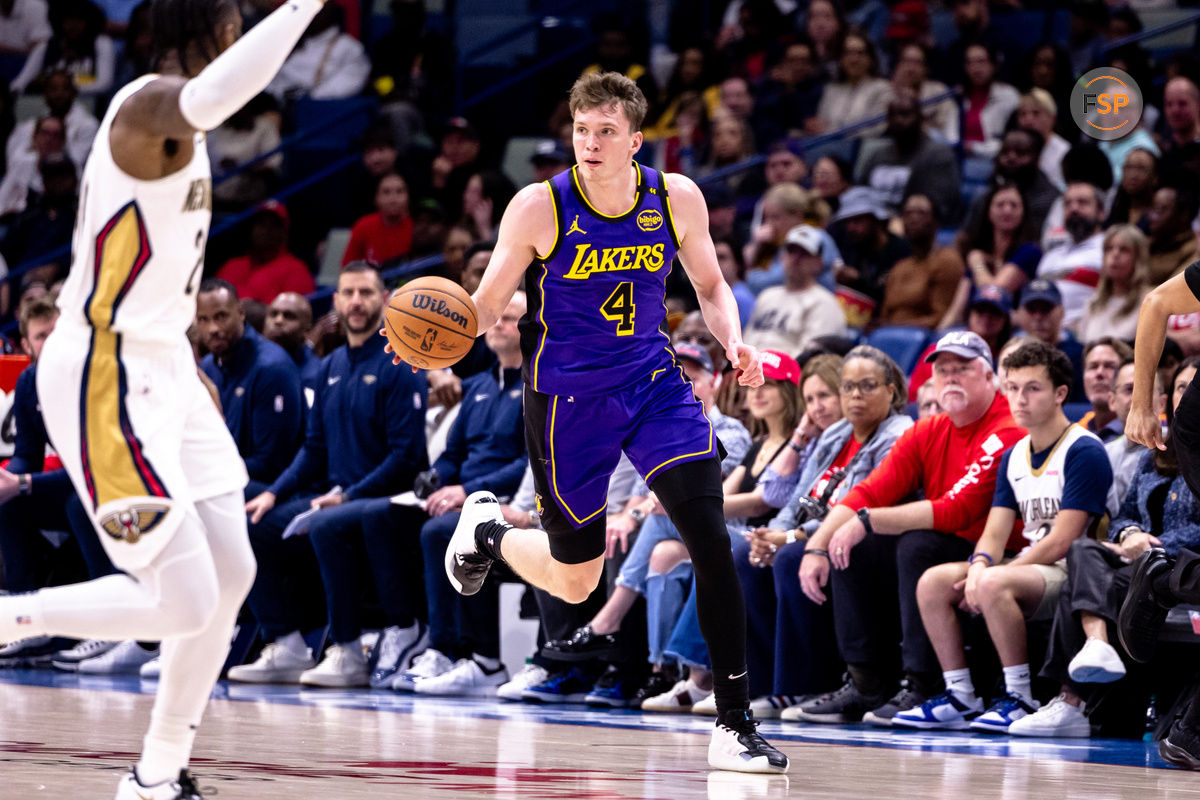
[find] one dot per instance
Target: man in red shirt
(951, 459)
(268, 269)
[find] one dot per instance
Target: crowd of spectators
(961, 202)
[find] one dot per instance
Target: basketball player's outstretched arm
(699, 259)
(527, 230)
(1172, 297)
(175, 107)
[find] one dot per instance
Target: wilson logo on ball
(423, 302)
(649, 220)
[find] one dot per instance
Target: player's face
(1032, 396)
(219, 320)
(603, 141)
(35, 336)
(359, 301)
(1098, 372)
(289, 317)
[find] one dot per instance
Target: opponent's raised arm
(175, 107)
(699, 258)
(528, 230)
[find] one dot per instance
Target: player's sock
(731, 691)
(487, 538)
(1016, 681)
(165, 749)
(959, 682)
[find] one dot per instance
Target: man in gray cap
(788, 317)
(868, 249)
(952, 459)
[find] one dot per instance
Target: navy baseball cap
(964, 344)
(1041, 289)
(695, 354)
(996, 297)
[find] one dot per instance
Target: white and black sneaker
(68, 660)
(737, 746)
(466, 565)
(182, 788)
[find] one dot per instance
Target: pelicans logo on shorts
(131, 524)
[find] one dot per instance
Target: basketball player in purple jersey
(594, 246)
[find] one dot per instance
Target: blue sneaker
(940, 712)
(612, 690)
(1005, 711)
(571, 686)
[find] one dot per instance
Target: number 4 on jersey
(619, 308)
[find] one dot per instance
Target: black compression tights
(691, 494)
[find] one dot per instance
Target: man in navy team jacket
(365, 442)
(257, 381)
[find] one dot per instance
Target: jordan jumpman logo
(575, 228)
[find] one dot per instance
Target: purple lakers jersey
(596, 319)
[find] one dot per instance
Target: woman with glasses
(787, 635)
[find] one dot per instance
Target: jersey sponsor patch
(649, 220)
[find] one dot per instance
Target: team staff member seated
(365, 440)
(257, 382)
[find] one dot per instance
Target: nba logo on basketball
(428, 339)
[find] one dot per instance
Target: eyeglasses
(866, 386)
(693, 338)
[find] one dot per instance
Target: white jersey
(138, 245)
(1039, 491)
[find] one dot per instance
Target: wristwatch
(865, 516)
(24, 484)
(637, 515)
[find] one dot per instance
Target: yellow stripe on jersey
(113, 469)
(115, 465)
(122, 249)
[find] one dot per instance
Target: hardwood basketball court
(71, 736)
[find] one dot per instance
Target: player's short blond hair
(606, 89)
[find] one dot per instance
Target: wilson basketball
(431, 322)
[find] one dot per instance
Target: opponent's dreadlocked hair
(176, 25)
